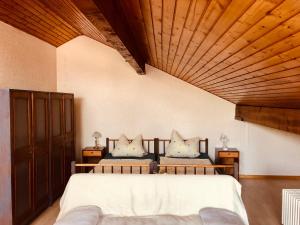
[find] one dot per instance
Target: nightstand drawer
(228, 154)
(92, 153)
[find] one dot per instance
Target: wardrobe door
(41, 149)
(57, 145)
(22, 157)
(69, 134)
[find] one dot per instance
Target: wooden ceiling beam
(278, 118)
(109, 19)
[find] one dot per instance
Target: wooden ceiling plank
(48, 18)
(169, 8)
(213, 12)
(286, 93)
(281, 58)
(41, 7)
(67, 10)
(31, 25)
(259, 72)
(156, 17)
(182, 9)
(45, 23)
(254, 79)
(250, 18)
(279, 82)
(194, 17)
(262, 98)
(291, 105)
(276, 49)
(233, 12)
(273, 37)
(269, 91)
(5, 18)
(26, 20)
(146, 12)
(258, 27)
(261, 88)
(294, 101)
(282, 119)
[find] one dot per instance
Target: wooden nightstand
(92, 155)
(228, 157)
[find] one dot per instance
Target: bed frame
(158, 147)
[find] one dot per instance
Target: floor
(48, 217)
(262, 198)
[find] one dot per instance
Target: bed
(185, 165)
(136, 165)
(149, 197)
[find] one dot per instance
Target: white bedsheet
(148, 194)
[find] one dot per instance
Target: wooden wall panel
(283, 119)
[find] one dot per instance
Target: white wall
(113, 99)
(25, 61)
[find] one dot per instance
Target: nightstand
(92, 154)
(227, 157)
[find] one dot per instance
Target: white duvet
(148, 195)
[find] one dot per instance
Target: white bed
(147, 195)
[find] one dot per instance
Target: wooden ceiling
(245, 51)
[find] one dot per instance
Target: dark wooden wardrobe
(36, 148)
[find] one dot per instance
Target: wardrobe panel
(41, 149)
(40, 119)
(57, 145)
(22, 157)
(23, 190)
(22, 122)
(56, 117)
(68, 104)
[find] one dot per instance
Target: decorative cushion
(180, 148)
(124, 148)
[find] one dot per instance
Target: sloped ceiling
(245, 51)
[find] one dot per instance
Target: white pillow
(125, 149)
(180, 148)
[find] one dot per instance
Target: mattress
(135, 165)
